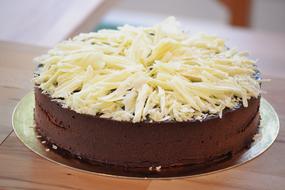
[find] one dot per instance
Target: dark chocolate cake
(147, 99)
(145, 144)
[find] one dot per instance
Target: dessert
(147, 98)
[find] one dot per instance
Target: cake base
(23, 120)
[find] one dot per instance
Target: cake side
(142, 144)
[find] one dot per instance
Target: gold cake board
(23, 124)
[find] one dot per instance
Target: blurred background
(256, 14)
(44, 23)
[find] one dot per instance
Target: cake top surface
(154, 73)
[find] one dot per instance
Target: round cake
(147, 98)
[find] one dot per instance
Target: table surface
(22, 169)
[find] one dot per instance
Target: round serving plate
(23, 124)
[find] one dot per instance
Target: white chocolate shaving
(148, 73)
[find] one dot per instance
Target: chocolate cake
(111, 98)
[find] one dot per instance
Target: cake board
(23, 124)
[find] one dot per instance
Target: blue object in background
(106, 25)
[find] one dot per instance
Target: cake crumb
(153, 168)
(257, 137)
(54, 147)
(47, 149)
(158, 168)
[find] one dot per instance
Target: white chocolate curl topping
(154, 73)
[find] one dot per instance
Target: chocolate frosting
(146, 145)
